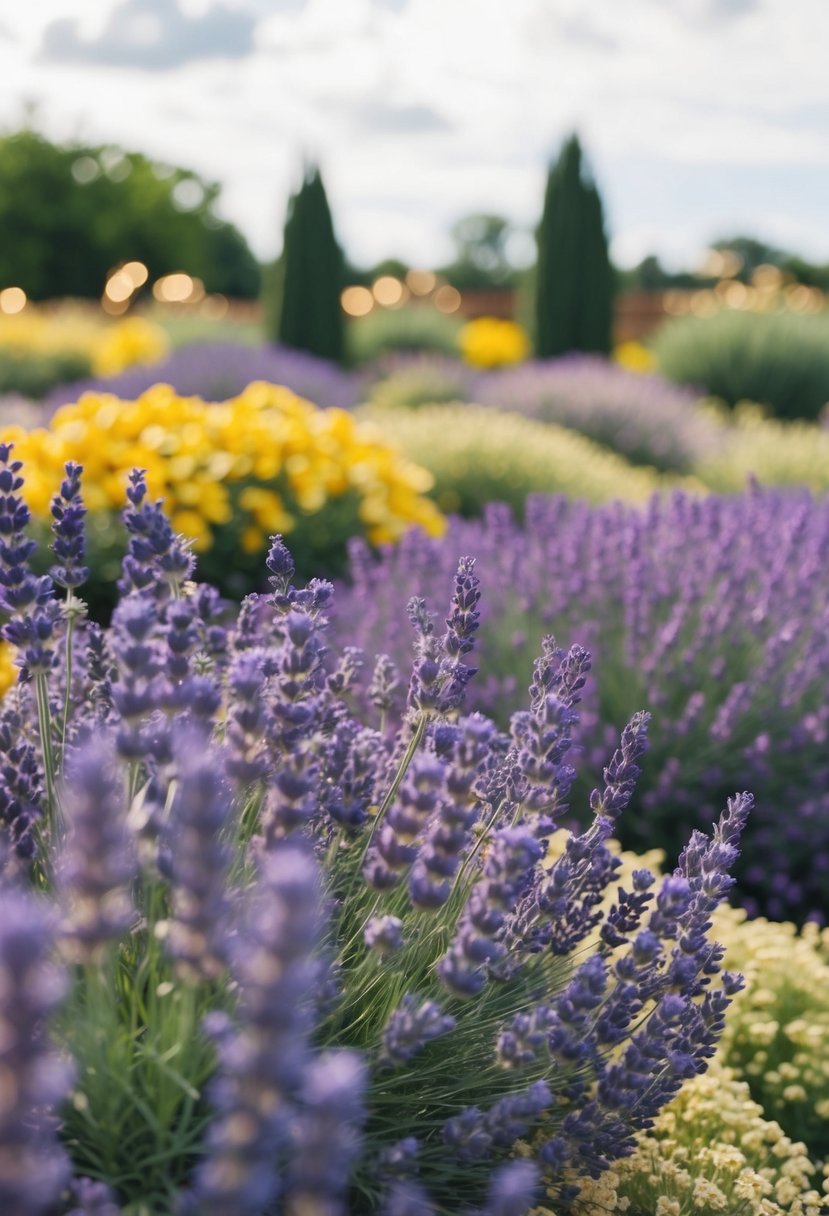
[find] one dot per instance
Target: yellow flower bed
(261, 460)
(110, 346)
(487, 342)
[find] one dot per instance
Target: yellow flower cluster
(110, 346)
(711, 1151)
(488, 342)
(776, 453)
(260, 459)
(634, 357)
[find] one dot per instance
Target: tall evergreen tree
(574, 278)
(310, 277)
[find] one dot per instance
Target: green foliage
(70, 213)
(32, 375)
(478, 455)
(481, 262)
(306, 311)
(776, 453)
(430, 384)
(574, 279)
(417, 328)
(778, 359)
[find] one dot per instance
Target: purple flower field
(711, 613)
(301, 951)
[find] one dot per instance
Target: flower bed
(712, 612)
(231, 473)
(414, 985)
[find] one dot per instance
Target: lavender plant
(323, 960)
(643, 417)
(215, 371)
(712, 612)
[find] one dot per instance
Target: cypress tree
(574, 278)
(310, 275)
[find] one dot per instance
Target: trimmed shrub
(777, 359)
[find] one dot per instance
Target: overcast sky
(700, 117)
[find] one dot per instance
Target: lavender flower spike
(34, 1167)
(411, 1026)
(68, 546)
(263, 1064)
(327, 1134)
(98, 861)
(199, 863)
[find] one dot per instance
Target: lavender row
(712, 613)
(321, 959)
(215, 371)
(642, 417)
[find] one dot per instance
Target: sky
(700, 118)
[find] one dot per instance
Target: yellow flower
(133, 340)
(634, 357)
(8, 671)
(489, 342)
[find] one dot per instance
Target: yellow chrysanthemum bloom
(488, 342)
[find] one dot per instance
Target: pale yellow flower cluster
(477, 454)
(489, 342)
(777, 1030)
(711, 1151)
(259, 459)
(776, 453)
(110, 346)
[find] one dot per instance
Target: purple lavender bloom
(156, 560)
(68, 546)
(35, 1166)
(216, 371)
(263, 1065)
(21, 792)
(512, 1190)
(199, 861)
(98, 861)
(407, 1198)
(384, 934)
(327, 1133)
(26, 598)
(440, 675)
(418, 799)
(92, 1198)
(412, 1025)
(508, 871)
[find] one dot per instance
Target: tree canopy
(70, 213)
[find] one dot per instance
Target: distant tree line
(70, 213)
